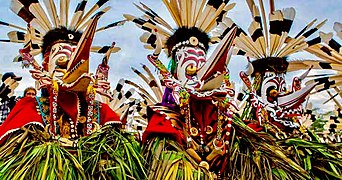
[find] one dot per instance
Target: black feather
(60, 34)
(101, 2)
(335, 45)
(273, 64)
(325, 65)
(104, 49)
(215, 3)
(81, 6)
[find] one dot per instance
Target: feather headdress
(44, 20)
(330, 53)
(269, 40)
(193, 19)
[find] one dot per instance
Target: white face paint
(189, 61)
(59, 57)
(272, 81)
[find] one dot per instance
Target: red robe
(202, 110)
(26, 112)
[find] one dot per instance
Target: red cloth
(159, 126)
(23, 113)
(108, 116)
(255, 126)
(202, 110)
(68, 102)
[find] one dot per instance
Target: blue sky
(133, 54)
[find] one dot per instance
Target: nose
(274, 93)
(191, 69)
(62, 62)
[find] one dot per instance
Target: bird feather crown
(194, 19)
(269, 40)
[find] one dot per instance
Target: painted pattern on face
(189, 61)
(59, 58)
(272, 86)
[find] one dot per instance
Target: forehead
(192, 50)
(190, 47)
(30, 91)
(63, 44)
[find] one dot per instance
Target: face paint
(272, 86)
(59, 58)
(189, 61)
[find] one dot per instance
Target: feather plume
(263, 24)
(299, 43)
(95, 7)
(338, 29)
(154, 83)
(148, 95)
(306, 28)
(173, 9)
(114, 24)
(51, 8)
(79, 11)
(251, 4)
(323, 52)
(122, 97)
(12, 25)
(99, 13)
(276, 19)
(154, 16)
(256, 32)
(23, 12)
(118, 87)
(36, 9)
(16, 36)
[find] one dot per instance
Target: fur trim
(112, 122)
(61, 34)
(274, 64)
(17, 129)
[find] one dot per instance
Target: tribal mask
(59, 58)
(272, 86)
(189, 61)
(66, 58)
(284, 107)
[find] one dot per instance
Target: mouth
(77, 78)
(290, 113)
(59, 73)
(79, 85)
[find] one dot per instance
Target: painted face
(30, 93)
(272, 85)
(189, 61)
(59, 57)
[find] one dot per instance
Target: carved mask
(189, 61)
(59, 58)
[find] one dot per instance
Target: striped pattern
(151, 92)
(262, 43)
(330, 53)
